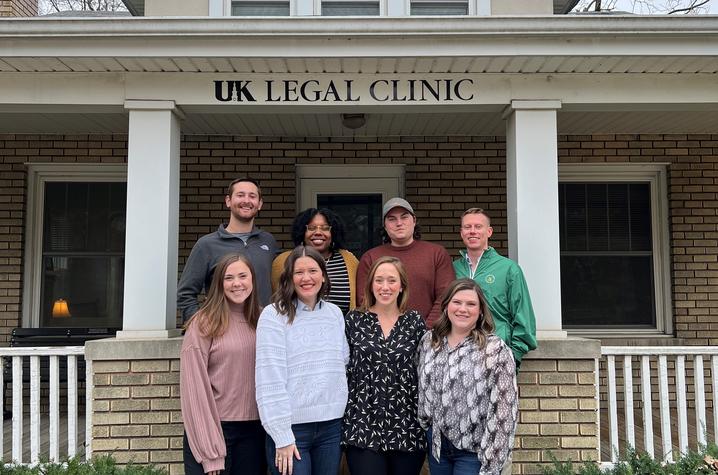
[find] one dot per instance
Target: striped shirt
(339, 292)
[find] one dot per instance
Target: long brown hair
(370, 299)
(283, 298)
(213, 316)
(484, 325)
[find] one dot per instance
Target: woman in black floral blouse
(381, 431)
(467, 387)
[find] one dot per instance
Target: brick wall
(693, 215)
(138, 418)
(15, 151)
(557, 412)
(444, 175)
(18, 8)
(136, 402)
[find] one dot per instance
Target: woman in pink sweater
(219, 409)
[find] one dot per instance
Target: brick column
(558, 410)
(136, 407)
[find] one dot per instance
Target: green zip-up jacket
(508, 297)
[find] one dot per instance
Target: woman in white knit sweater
(300, 371)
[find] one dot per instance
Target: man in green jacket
(502, 281)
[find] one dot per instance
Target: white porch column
(532, 202)
(150, 300)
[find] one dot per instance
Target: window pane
(439, 8)
(260, 8)
(606, 254)
(87, 217)
(361, 215)
(83, 253)
(350, 8)
(607, 290)
(91, 286)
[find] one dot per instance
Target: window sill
(636, 337)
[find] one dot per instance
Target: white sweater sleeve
(275, 410)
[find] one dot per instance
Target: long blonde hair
(484, 325)
(213, 315)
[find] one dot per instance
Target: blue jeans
(452, 461)
(318, 445)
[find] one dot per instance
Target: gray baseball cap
(396, 203)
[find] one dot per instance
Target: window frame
(656, 175)
(395, 8)
(37, 175)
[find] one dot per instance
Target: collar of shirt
(473, 269)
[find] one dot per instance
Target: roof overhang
(617, 51)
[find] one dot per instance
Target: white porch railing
(49, 379)
(666, 388)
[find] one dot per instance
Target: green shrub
(635, 463)
(104, 465)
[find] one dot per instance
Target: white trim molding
(37, 175)
(656, 175)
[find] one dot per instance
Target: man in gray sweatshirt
(244, 200)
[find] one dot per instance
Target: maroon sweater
(428, 267)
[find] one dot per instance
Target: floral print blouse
(469, 394)
(382, 410)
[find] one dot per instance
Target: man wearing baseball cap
(427, 265)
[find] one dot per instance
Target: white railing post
(665, 408)
(699, 388)
(681, 402)
(628, 401)
(714, 387)
(17, 409)
(612, 407)
(71, 405)
(34, 409)
(647, 405)
(89, 388)
(55, 408)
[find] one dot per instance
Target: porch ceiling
(498, 64)
(407, 124)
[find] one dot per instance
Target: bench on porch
(50, 337)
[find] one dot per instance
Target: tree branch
(689, 8)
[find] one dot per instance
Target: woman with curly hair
(323, 230)
(468, 399)
(222, 427)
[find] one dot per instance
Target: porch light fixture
(60, 309)
(353, 121)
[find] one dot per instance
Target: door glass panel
(361, 214)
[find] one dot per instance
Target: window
(439, 7)
(260, 8)
(76, 240)
(614, 254)
(350, 8)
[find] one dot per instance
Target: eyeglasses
(321, 227)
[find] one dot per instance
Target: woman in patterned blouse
(381, 430)
(467, 387)
(323, 230)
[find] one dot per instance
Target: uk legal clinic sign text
(344, 90)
